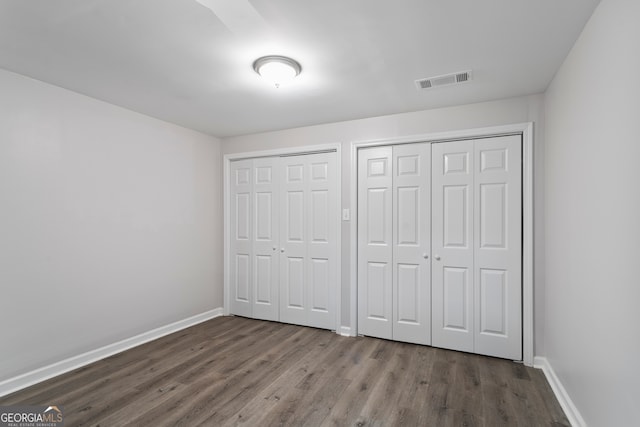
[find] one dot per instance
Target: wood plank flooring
(233, 371)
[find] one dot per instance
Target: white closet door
(498, 243)
(293, 241)
(452, 245)
(265, 243)
(241, 237)
(477, 265)
(375, 242)
(308, 242)
(322, 262)
(411, 243)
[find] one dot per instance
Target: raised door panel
(378, 222)
(294, 214)
(452, 245)
(264, 216)
(411, 243)
(294, 283)
(498, 248)
(455, 216)
(266, 238)
(377, 303)
(493, 299)
(320, 285)
(241, 236)
(375, 242)
(407, 296)
(241, 278)
(408, 214)
(263, 279)
(242, 216)
(456, 301)
(493, 212)
(320, 216)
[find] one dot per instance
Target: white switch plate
(346, 215)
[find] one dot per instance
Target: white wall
(110, 224)
(501, 112)
(592, 337)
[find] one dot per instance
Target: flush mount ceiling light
(277, 69)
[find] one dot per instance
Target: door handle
(274, 248)
(282, 250)
(425, 256)
(437, 257)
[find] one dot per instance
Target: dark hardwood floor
(237, 371)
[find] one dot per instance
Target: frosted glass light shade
(277, 69)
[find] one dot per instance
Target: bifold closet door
(412, 243)
(452, 245)
(308, 242)
(375, 242)
(477, 246)
(498, 249)
(265, 286)
(284, 239)
(394, 242)
(241, 245)
(254, 233)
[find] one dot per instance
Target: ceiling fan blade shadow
(239, 16)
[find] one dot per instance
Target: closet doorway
(442, 236)
(282, 232)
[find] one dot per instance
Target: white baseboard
(345, 331)
(30, 378)
(565, 401)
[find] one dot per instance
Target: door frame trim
(310, 149)
(524, 129)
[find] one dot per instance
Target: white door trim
(524, 129)
(228, 158)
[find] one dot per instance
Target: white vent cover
(444, 80)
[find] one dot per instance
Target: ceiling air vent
(444, 80)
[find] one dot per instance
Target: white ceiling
(179, 61)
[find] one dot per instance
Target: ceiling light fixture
(277, 69)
